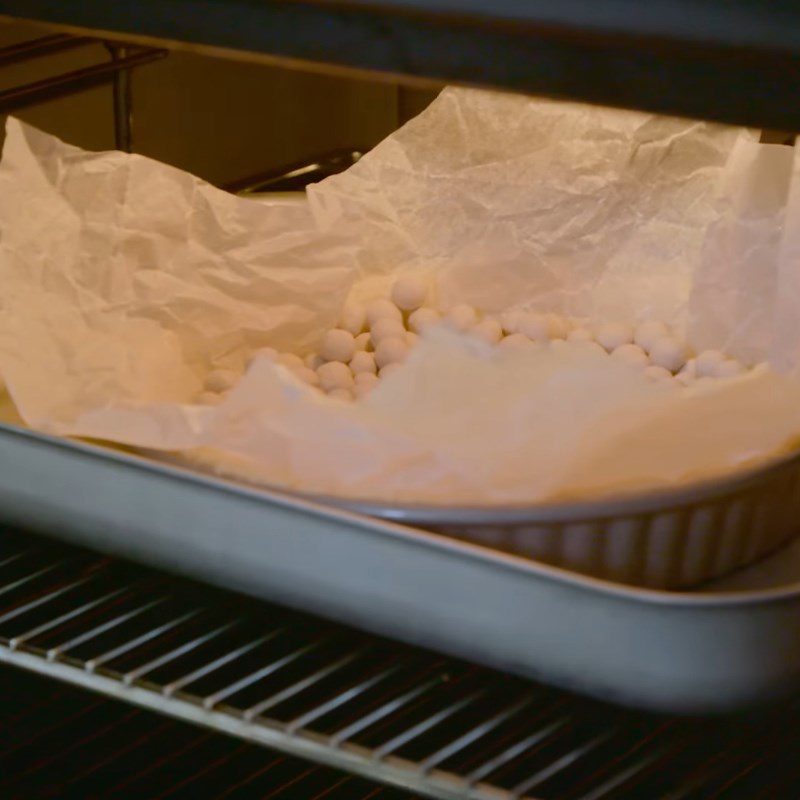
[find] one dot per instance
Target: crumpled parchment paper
(124, 281)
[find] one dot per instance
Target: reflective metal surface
(671, 650)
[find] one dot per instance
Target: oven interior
(120, 680)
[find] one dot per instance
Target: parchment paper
(124, 281)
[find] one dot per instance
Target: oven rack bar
(43, 46)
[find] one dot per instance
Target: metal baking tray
(666, 538)
(688, 652)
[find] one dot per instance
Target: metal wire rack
(116, 71)
(396, 714)
(60, 741)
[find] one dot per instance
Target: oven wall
(219, 119)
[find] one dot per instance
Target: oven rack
(399, 715)
(116, 71)
(60, 741)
